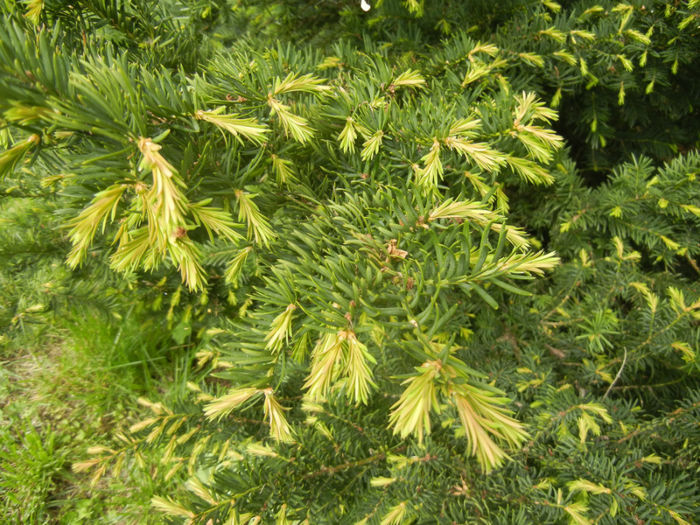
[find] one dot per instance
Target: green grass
(74, 390)
(70, 374)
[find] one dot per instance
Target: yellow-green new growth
(280, 330)
(340, 354)
(479, 153)
(464, 127)
(478, 70)
(481, 415)
(83, 227)
(481, 47)
(471, 210)
(409, 78)
(187, 255)
(431, 173)
(348, 136)
(214, 220)
(527, 264)
(370, 147)
(274, 413)
(224, 405)
(233, 270)
(294, 125)
(304, 83)
(166, 201)
(328, 352)
(475, 211)
(283, 169)
(9, 158)
(23, 114)
(249, 128)
(258, 226)
(529, 170)
(411, 413)
(163, 206)
(195, 486)
(357, 369)
(34, 9)
(539, 142)
(171, 508)
(396, 515)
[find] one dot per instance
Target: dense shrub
(437, 262)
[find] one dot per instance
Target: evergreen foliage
(440, 269)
